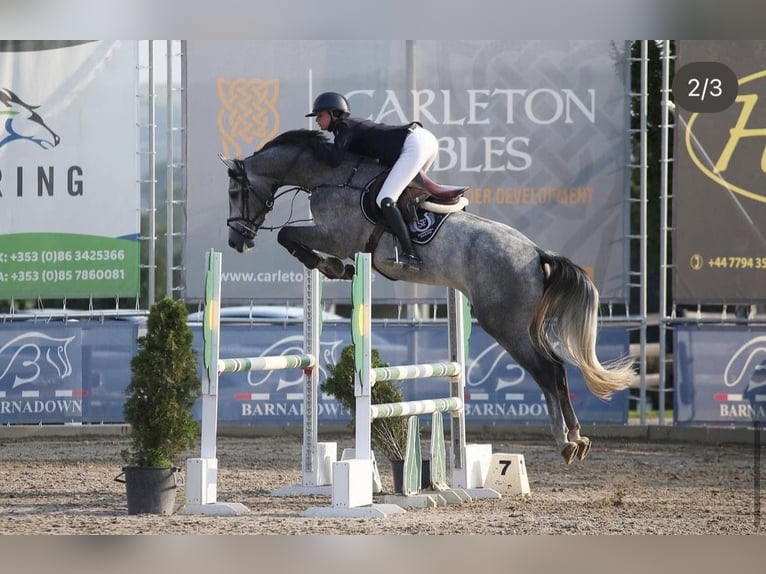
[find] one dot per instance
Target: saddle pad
(422, 230)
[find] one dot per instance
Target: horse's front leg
(294, 240)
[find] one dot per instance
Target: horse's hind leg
(567, 410)
(546, 373)
(550, 375)
(575, 445)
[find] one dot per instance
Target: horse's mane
(298, 138)
(308, 139)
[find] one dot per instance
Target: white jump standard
(202, 473)
(352, 487)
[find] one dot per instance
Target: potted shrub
(388, 435)
(163, 389)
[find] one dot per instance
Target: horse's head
(19, 121)
(254, 181)
(250, 199)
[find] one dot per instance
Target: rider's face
(324, 119)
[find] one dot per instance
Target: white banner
(69, 201)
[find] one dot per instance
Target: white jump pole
(202, 472)
(316, 457)
(201, 485)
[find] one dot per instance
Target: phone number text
(57, 275)
(737, 262)
(59, 256)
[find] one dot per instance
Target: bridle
(249, 225)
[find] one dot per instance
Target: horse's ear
(230, 163)
(236, 168)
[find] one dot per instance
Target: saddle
(420, 190)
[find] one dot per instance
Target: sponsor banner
(78, 372)
(720, 375)
(498, 391)
(719, 207)
(537, 129)
(74, 372)
(69, 201)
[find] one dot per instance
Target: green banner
(50, 265)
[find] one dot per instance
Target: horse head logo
(502, 370)
(34, 350)
(19, 121)
(747, 366)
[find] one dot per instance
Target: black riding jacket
(370, 139)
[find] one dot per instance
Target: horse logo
(503, 371)
(20, 122)
(292, 345)
(29, 348)
(248, 113)
(747, 366)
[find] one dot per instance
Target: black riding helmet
(333, 102)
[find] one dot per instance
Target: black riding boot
(396, 222)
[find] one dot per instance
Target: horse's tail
(569, 308)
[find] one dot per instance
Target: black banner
(719, 207)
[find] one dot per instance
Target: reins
(251, 224)
(296, 188)
(267, 198)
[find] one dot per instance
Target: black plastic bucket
(397, 469)
(150, 489)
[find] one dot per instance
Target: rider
(406, 149)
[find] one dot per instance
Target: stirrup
(409, 261)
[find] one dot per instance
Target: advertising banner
(719, 209)
(69, 201)
(720, 375)
(74, 372)
(498, 391)
(537, 129)
(77, 372)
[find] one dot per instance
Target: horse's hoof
(349, 272)
(583, 447)
(332, 268)
(569, 452)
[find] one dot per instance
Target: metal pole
(183, 174)
(642, 240)
(458, 352)
(169, 195)
(413, 309)
(664, 161)
(152, 176)
(312, 330)
(411, 79)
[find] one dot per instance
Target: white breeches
(418, 154)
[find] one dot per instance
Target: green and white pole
(211, 345)
(361, 335)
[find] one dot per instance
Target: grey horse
(539, 306)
